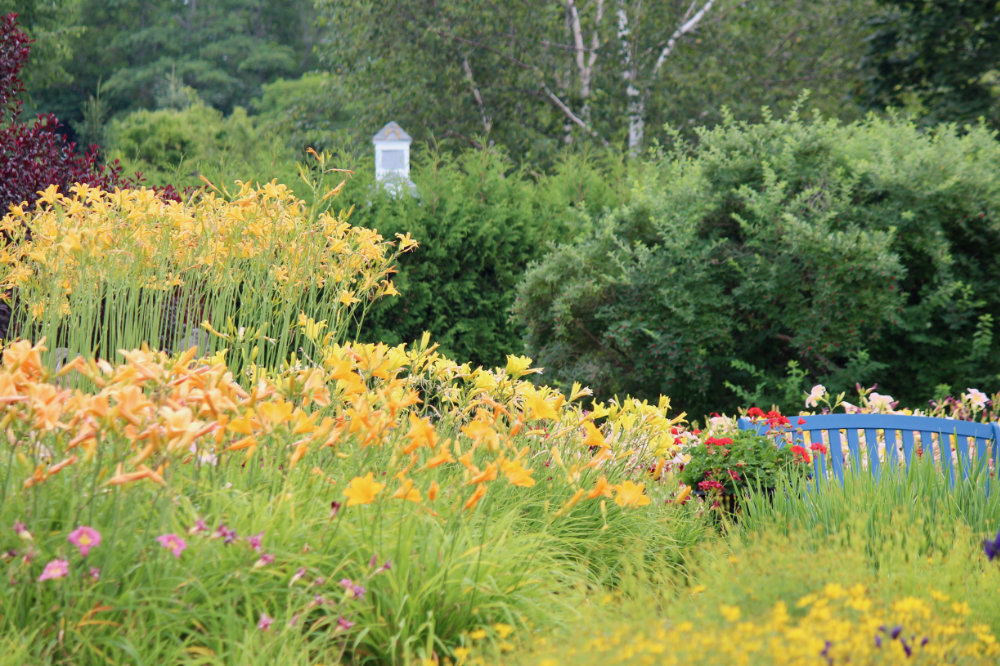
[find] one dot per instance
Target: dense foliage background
(629, 192)
(771, 255)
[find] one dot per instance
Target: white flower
(880, 402)
(976, 397)
(817, 392)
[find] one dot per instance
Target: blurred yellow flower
(630, 493)
(407, 492)
(363, 490)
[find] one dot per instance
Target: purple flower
(334, 509)
(925, 641)
(318, 600)
(896, 631)
(906, 648)
(878, 641)
(265, 622)
(353, 589)
(385, 567)
(992, 548)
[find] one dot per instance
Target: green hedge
(769, 256)
(479, 222)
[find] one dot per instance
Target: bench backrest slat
(952, 438)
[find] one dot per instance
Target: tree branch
(572, 116)
(683, 29)
(487, 124)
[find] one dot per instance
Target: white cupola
(392, 156)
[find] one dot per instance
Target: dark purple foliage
(34, 156)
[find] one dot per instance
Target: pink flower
(265, 622)
(255, 541)
(353, 589)
(199, 526)
(173, 543)
(22, 531)
(344, 624)
(94, 573)
(85, 538)
(298, 574)
(227, 533)
(264, 560)
(54, 569)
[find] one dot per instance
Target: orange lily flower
(476, 496)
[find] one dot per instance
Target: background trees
(940, 58)
(606, 72)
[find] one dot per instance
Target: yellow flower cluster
(833, 625)
(262, 236)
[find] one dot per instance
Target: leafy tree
(774, 254)
(939, 57)
(312, 111)
(529, 76)
(537, 77)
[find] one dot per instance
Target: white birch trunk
(636, 103)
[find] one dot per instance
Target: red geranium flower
(800, 453)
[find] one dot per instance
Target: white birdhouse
(392, 156)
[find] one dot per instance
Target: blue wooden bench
(896, 431)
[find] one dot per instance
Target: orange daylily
(602, 487)
(421, 433)
(594, 436)
(476, 496)
(443, 456)
(407, 491)
(570, 503)
(479, 431)
(121, 477)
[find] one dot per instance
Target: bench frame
(826, 428)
